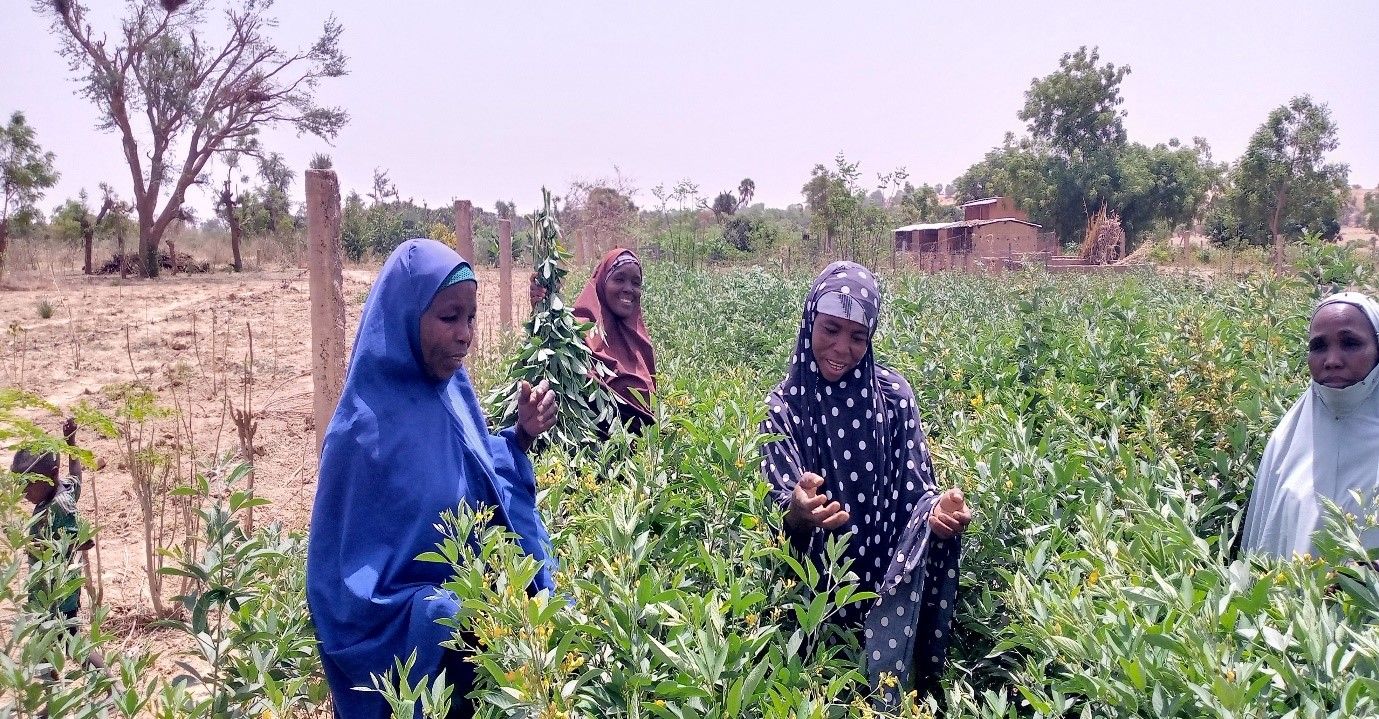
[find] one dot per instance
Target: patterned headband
(846, 307)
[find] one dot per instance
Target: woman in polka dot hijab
(854, 461)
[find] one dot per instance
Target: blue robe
(401, 449)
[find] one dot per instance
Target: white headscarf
(1326, 446)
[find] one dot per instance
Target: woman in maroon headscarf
(612, 300)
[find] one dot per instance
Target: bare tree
(603, 208)
(383, 188)
(177, 98)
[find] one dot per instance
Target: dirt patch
(187, 338)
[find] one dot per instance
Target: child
(55, 513)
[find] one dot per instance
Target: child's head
(41, 463)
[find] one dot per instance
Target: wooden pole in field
(326, 263)
(505, 273)
(464, 229)
(581, 249)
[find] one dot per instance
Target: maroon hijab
(624, 346)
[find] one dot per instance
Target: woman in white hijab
(1327, 446)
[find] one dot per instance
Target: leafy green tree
(1077, 109)
(842, 212)
(746, 190)
(1024, 170)
(179, 96)
(829, 196)
(1283, 186)
(1372, 211)
(354, 235)
(276, 178)
(921, 204)
(1075, 114)
(25, 172)
(724, 204)
(73, 221)
(1077, 158)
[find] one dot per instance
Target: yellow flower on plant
(1093, 578)
(977, 401)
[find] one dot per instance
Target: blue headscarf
(401, 449)
(863, 435)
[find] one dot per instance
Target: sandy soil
(188, 338)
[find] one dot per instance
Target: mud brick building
(991, 227)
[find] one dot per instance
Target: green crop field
(1106, 429)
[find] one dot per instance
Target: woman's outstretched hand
(536, 408)
(808, 508)
(535, 291)
(951, 514)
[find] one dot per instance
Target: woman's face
(838, 345)
(1341, 347)
(623, 290)
(447, 329)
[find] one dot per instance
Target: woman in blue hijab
(407, 442)
(854, 460)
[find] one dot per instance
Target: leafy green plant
(1332, 266)
(45, 309)
(677, 596)
(555, 351)
(1106, 429)
(246, 609)
(49, 664)
(403, 697)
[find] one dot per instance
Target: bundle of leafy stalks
(555, 351)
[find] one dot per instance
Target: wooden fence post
(505, 273)
(326, 263)
(464, 230)
(581, 250)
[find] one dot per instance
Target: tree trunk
(148, 242)
(1274, 220)
(235, 232)
(229, 211)
(4, 245)
(87, 237)
(124, 269)
(148, 254)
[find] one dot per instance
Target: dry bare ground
(188, 338)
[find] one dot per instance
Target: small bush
(45, 309)
(1161, 253)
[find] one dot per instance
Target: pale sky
(488, 101)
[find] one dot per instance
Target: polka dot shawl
(863, 435)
